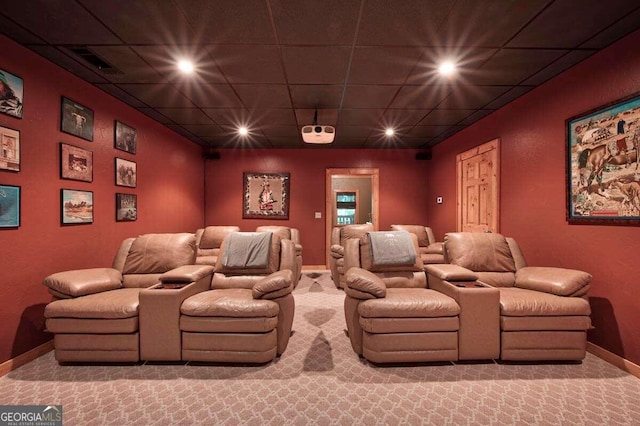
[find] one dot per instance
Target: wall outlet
(318, 215)
(439, 200)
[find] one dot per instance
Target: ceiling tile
(556, 67)
(366, 117)
(121, 94)
(272, 132)
(249, 63)
(445, 116)
(182, 131)
(316, 64)
(263, 95)
(467, 61)
(70, 64)
(382, 65)
(403, 117)
(155, 115)
(145, 21)
(165, 59)
(59, 22)
(274, 116)
(229, 116)
(472, 97)
(229, 21)
(369, 96)
(511, 66)
(427, 132)
(207, 95)
(481, 113)
(186, 115)
(568, 24)
(353, 132)
(425, 97)
(316, 96)
(158, 95)
(287, 141)
(306, 116)
(614, 32)
(131, 67)
(507, 97)
(302, 22)
(204, 130)
(18, 33)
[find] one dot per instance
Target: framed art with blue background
(9, 206)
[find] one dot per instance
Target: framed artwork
(9, 206)
(266, 196)
(603, 168)
(126, 207)
(126, 173)
(125, 137)
(11, 94)
(76, 119)
(76, 163)
(76, 206)
(9, 149)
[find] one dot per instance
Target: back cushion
(480, 252)
(273, 263)
(418, 230)
(212, 236)
(283, 231)
(353, 231)
(366, 258)
(159, 253)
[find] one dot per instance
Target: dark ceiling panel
(272, 132)
(420, 96)
(204, 130)
(445, 116)
(568, 24)
(481, 113)
(369, 96)
(153, 113)
(158, 95)
(186, 115)
(122, 95)
(507, 97)
(467, 61)
(316, 64)
(383, 65)
(70, 64)
(249, 63)
(472, 97)
(362, 117)
(316, 96)
(614, 32)
(556, 67)
(205, 95)
(427, 132)
(17, 32)
(330, 22)
(403, 117)
(274, 117)
(165, 59)
(131, 68)
(256, 96)
(228, 21)
(325, 116)
(511, 66)
(229, 116)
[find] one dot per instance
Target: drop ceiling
(364, 65)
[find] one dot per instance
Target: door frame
(374, 174)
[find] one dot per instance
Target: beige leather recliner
(430, 250)
(208, 242)
(391, 314)
(544, 313)
(292, 234)
(339, 236)
(95, 314)
(247, 314)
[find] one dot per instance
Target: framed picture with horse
(603, 165)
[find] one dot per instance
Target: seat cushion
(519, 302)
(232, 302)
(409, 303)
(113, 304)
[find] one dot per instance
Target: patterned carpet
(320, 381)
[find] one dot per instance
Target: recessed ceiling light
(243, 131)
(185, 66)
(389, 131)
(447, 68)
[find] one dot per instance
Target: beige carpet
(319, 380)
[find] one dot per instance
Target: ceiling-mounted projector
(316, 133)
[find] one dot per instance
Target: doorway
(351, 198)
(478, 188)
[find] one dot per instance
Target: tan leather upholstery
(246, 315)
(391, 315)
(208, 243)
(98, 313)
(292, 234)
(430, 250)
(339, 235)
(543, 311)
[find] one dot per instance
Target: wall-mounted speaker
(426, 155)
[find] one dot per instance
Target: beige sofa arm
(558, 281)
(449, 272)
(337, 251)
(81, 282)
(273, 286)
(363, 284)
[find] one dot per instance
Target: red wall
(533, 185)
(402, 188)
(170, 192)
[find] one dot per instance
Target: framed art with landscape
(266, 196)
(603, 168)
(76, 206)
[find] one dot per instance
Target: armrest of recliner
(273, 286)
(337, 251)
(448, 272)
(435, 248)
(298, 249)
(81, 282)
(186, 274)
(558, 281)
(363, 284)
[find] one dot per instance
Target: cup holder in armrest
(469, 284)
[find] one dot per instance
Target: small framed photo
(76, 119)
(76, 163)
(9, 206)
(126, 173)
(125, 138)
(11, 93)
(76, 206)
(126, 207)
(9, 149)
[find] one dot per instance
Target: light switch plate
(318, 215)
